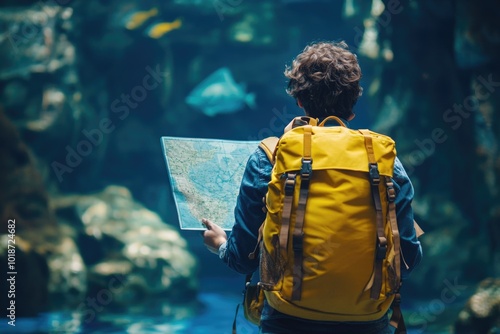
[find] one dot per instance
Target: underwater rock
(131, 249)
(40, 88)
(33, 42)
(477, 34)
(356, 9)
(23, 197)
(14, 94)
(259, 27)
(48, 265)
(30, 284)
(482, 311)
(68, 274)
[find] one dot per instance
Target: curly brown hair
(325, 79)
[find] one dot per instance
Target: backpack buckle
(374, 174)
(290, 184)
(391, 193)
(306, 169)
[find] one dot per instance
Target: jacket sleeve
(411, 250)
(248, 214)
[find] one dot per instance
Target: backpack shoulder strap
(269, 145)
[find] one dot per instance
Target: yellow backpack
(330, 241)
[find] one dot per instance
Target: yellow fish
(137, 19)
(157, 30)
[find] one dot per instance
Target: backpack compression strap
(391, 198)
(268, 145)
(381, 248)
(397, 319)
(298, 235)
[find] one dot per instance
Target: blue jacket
(249, 216)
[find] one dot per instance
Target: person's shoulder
(258, 158)
(400, 173)
(262, 157)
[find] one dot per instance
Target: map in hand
(205, 175)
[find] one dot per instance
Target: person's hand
(214, 236)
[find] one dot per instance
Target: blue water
(215, 315)
(217, 303)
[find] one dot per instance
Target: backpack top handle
(335, 118)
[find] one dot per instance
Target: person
(324, 80)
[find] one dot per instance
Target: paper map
(205, 175)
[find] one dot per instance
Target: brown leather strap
(307, 142)
(391, 197)
(298, 235)
(397, 321)
(381, 246)
(298, 239)
(287, 210)
(369, 145)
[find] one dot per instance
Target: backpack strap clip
(290, 184)
(391, 193)
(306, 168)
(374, 174)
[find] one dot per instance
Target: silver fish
(220, 94)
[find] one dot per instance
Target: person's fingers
(208, 224)
(213, 236)
(212, 226)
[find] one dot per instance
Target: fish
(159, 29)
(220, 94)
(135, 20)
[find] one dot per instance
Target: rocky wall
(71, 125)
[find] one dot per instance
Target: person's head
(324, 79)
